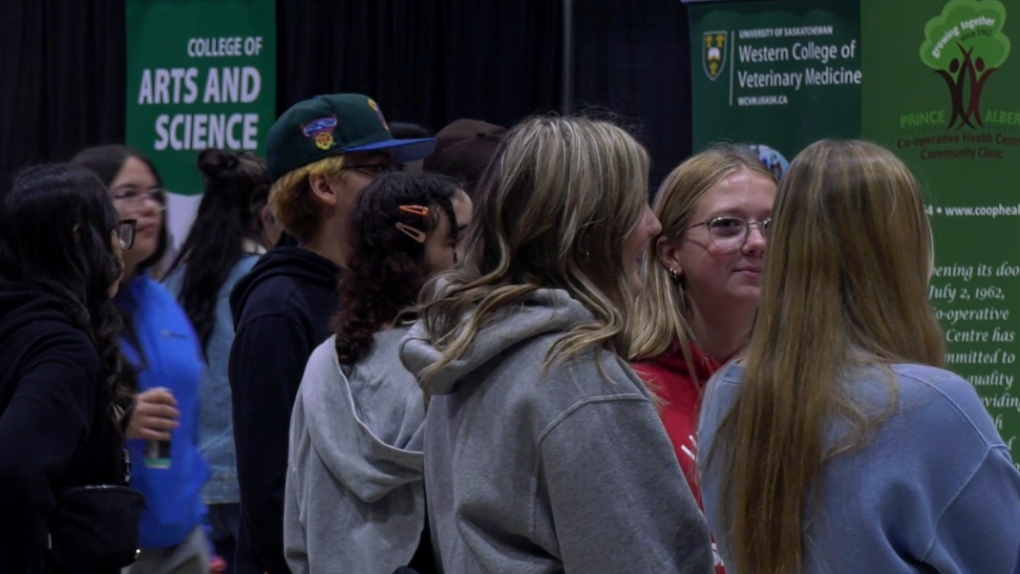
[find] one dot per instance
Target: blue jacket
(216, 428)
(173, 496)
(932, 490)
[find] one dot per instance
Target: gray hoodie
(556, 472)
(354, 498)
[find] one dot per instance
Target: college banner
(200, 73)
(776, 74)
(943, 92)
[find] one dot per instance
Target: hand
(155, 416)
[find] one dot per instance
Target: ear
(668, 253)
(266, 216)
(324, 188)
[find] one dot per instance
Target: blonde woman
(320, 154)
(544, 451)
(702, 285)
(839, 444)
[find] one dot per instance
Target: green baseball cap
(325, 126)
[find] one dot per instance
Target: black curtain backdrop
(632, 58)
(62, 71)
(62, 66)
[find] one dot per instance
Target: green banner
(775, 74)
(200, 73)
(943, 92)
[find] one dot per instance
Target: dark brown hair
(387, 267)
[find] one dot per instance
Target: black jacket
(55, 430)
(282, 311)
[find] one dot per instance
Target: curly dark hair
(56, 230)
(387, 268)
(236, 188)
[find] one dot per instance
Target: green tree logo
(965, 45)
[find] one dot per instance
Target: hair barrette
(415, 234)
(415, 210)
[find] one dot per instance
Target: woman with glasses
(838, 443)
(61, 400)
(703, 281)
(164, 362)
(320, 153)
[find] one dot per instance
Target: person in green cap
(320, 153)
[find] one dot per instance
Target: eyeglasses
(375, 169)
(731, 233)
(135, 198)
(126, 232)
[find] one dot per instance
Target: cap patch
(378, 112)
(321, 130)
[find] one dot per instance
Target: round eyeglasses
(126, 232)
(731, 233)
(131, 198)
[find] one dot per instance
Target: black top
(55, 430)
(282, 311)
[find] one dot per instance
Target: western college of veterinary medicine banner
(943, 92)
(775, 74)
(200, 73)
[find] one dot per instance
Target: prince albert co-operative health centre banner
(936, 82)
(200, 74)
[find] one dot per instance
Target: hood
(289, 261)
(367, 423)
(704, 366)
(544, 311)
(24, 303)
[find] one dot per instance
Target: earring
(673, 274)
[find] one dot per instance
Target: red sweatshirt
(671, 379)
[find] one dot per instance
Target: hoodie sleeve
(267, 361)
(619, 500)
(49, 414)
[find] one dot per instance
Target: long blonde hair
(555, 207)
(663, 311)
(845, 287)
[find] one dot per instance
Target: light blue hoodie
(933, 489)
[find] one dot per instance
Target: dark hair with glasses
(236, 189)
(57, 227)
(391, 220)
(107, 162)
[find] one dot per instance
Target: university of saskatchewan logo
(714, 58)
(965, 45)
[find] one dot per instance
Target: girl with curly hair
(355, 498)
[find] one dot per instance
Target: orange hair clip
(415, 210)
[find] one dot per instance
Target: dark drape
(633, 58)
(62, 66)
(61, 78)
(425, 62)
